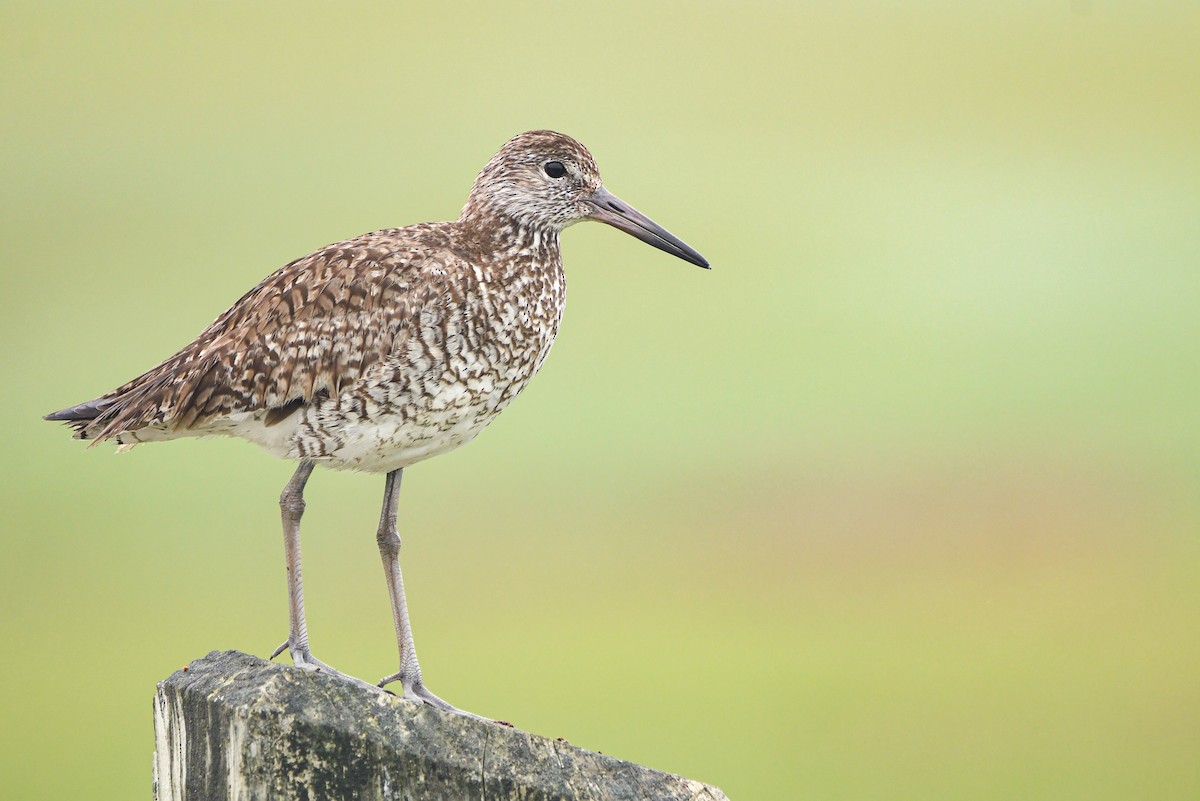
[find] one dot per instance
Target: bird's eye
(555, 169)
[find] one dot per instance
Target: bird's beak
(606, 207)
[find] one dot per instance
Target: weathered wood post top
(233, 727)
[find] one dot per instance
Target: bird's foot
(417, 692)
(306, 661)
(303, 658)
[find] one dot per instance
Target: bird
(378, 352)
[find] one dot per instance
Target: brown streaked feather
(315, 325)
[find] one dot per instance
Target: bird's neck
(512, 245)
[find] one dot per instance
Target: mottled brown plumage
(380, 351)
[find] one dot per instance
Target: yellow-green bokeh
(899, 501)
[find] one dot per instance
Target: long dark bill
(619, 214)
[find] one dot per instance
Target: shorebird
(377, 352)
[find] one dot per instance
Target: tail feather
(83, 412)
(82, 416)
(127, 407)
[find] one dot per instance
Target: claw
(283, 647)
(417, 693)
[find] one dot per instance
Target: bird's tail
(82, 416)
(144, 401)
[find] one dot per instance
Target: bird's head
(544, 179)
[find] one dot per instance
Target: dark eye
(555, 169)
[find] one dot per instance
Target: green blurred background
(899, 501)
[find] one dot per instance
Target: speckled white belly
(378, 437)
(390, 438)
(386, 424)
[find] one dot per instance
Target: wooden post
(232, 727)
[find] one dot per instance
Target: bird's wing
(313, 327)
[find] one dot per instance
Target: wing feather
(316, 325)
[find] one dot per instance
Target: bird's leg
(291, 506)
(409, 674)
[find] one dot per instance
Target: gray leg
(291, 506)
(409, 674)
